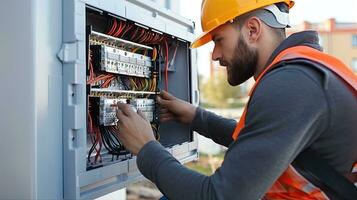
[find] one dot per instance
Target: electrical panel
(120, 51)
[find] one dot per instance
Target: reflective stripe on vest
(291, 185)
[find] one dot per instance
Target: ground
(145, 190)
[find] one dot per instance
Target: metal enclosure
(44, 51)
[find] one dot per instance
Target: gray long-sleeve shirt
(296, 106)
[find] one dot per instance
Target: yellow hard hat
(217, 12)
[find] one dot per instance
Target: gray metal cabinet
(44, 71)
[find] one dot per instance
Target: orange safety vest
(292, 185)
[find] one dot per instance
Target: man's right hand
(172, 108)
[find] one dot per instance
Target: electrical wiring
(136, 49)
(111, 141)
(134, 86)
(146, 85)
(145, 36)
(108, 81)
(156, 132)
(127, 29)
(99, 139)
(166, 64)
(140, 36)
(95, 139)
(120, 29)
(92, 137)
(172, 62)
(108, 77)
(113, 27)
(135, 33)
(154, 54)
(153, 84)
(90, 65)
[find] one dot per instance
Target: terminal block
(107, 109)
(123, 62)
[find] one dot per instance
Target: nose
(216, 54)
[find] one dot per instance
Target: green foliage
(202, 164)
(198, 167)
(217, 93)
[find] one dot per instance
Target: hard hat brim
(203, 39)
(211, 24)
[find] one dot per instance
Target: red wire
(114, 26)
(141, 35)
(99, 139)
(134, 34)
(142, 38)
(166, 66)
(116, 34)
(95, 137)
(155, 39)
(127, 29)
(150, 38)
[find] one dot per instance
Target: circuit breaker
(120, 51)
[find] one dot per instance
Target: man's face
(233, 52)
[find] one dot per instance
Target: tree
(217, 92)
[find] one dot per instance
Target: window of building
(354, 64)
(354, 40)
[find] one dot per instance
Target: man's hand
(172, 108)
(134, 130)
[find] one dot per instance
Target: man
(303, 101)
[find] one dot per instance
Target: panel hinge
(68, 52)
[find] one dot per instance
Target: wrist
(192, 114)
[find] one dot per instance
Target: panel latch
(68, 52)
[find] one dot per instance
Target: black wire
(111, 142)
(91, 150)
(124, 81)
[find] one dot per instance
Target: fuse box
(120, 51)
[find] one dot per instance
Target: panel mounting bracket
(68, 52)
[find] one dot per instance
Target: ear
(254, 29)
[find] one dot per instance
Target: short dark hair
(280, 32)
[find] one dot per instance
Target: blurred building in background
(337, 38)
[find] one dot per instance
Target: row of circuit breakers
(125, 61)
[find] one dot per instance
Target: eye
(218, 40)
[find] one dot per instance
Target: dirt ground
(145, 190)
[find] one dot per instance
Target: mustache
(223, 63)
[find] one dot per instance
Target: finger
(141, 114)
(166, 119)
(162, 102)
(121, 139)
(121, 116)
(166, 95)
(125, 108)
(166, 115)
(164, 110)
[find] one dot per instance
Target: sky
(309, 10)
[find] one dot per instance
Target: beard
(243, 64)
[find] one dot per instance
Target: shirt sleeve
(210, 125)
(286, 114)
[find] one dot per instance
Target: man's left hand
(134, 130)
